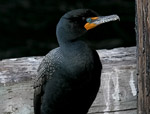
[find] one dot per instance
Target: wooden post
(143, 55)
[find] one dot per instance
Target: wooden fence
(117, 94)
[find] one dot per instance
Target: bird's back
(46, 69)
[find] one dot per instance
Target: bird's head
(75, 23)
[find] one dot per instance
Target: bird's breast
(78, 65)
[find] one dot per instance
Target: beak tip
(116, 17)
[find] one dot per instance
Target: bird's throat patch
(89, 26)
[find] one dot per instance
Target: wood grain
(143, 54)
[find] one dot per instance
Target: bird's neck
(73, 46)
(70, 42)
(69, 39)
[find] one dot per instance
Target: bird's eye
(89, 20)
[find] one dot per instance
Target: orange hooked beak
(93, 22)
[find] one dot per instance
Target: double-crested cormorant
(69, 76)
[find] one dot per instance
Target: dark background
(27, 27)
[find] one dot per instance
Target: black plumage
(69, 76)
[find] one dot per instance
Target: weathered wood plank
(143, 52)
(117, 95)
